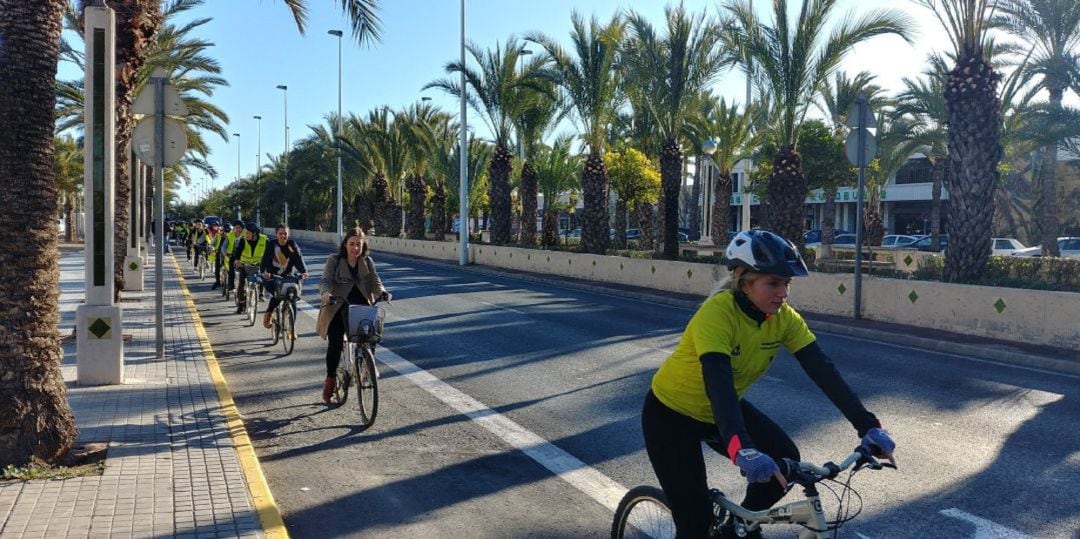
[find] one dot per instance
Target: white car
(892, 241)
(1068, 246)
(1005, 246)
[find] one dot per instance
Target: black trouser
(673, 442)
(242, 275)
(217, 268)
(271, 288)
(335, 333)
(200, 250)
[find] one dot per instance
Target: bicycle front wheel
(275, 326)
(643, 512)
(367, 385)
(288, 327)
(202, 271)
(252, 303)
(344, 377)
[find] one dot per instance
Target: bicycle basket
(287, 286)
(365, 323)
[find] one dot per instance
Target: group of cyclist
(697, 394)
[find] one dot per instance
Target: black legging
(673, 442)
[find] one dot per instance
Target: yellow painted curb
(269, 514)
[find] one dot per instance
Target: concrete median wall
(1028, 316)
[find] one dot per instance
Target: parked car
(893, 241)
(1068, 246)
(923, 243)
(839, 240)
(814, 235)
(1005, 246)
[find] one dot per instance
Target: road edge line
(269, 514)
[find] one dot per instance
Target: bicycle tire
(288, 327)
(252, 300)
(344, 378)
(367, 386)
(275, 326)
(643, 512)
(202, 270)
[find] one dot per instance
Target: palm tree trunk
(594, 184)
(721, 208)
(528, 204)
(670, 181)
(137, 21)
(828, 220)
(69, 217)
(937, 176)
(36, 423)
(786, 192)
(386, 209)
(695, 195)
(550, 235)
(438, 210)
(1049, 222)
(644, 212)
(620, 223)
(974, 138)
(417, 195)
(500, 195)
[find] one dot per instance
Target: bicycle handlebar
(860, 458)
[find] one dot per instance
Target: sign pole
(159, 202)
(862, 109)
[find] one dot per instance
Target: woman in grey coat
(350, 274)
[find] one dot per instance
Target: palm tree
(923, 100)
(973, 113)
(556, 174)
(437, 138)
(676, 67)
(35, 420)
(589, 82)
(795, 58)
(837, 99)
(1053, 28)
(538, 111)
(68, 167)
(735, 134)
(494, 95)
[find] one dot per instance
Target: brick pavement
(171, 468)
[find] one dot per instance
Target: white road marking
(984, 529)
(581, 476)
(489, 304)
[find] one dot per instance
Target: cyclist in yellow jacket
(698, 392)
(249, 254)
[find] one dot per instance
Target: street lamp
(237, 135)
(340, 193)
(705, 175)
(463, 185)
(258, 172)
(285, 96)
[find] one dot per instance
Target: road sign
(144, 102)
(860, 107)
(851, 147)
(175, 141)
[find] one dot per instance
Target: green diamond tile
(99, 328)
(841, 289)
(654, 270)
(689, 274)
(620, 266)
(908, 260)
(133, 266)
(913, 296)
(549, 259)
(999, 305)
(511, 256)
(569, 262)
(528, 257)
(594, 263)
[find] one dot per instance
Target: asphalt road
(512, 409)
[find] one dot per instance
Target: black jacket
(292, 250)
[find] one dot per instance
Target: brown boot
(328, 389)
(266, 319)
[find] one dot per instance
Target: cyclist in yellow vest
(248, 252)
(698, 392)
(214, 239)
(232, 235)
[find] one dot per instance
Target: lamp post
(705, 175)
(747, 163)
(337, 143)
(237, 135)
(258, 171)
(285, 157)
(463, 185)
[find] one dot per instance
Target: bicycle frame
(807, 512)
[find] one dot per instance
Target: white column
(99, 341)
(134, 261)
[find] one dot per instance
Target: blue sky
(259, 47)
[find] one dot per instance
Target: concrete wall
(1029, 316)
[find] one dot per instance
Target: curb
(980, 352)
(265, 506)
